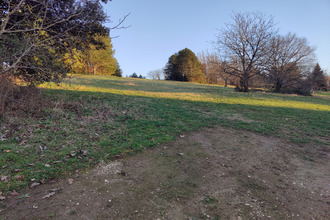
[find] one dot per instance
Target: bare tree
(156, 74)
(243, 44)
(213, 68)
(289, 56)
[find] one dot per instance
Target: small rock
(47, 165)
(181, 154)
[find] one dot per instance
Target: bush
(20, 100)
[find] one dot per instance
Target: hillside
(98, 118)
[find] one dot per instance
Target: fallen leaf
(24, 196)
(58, 161)
(181, 154)
(18, 170)
(34, 184)
(49, 195)
(84, 152)
(55, 189)
(14, 193)
(19, 177)
(3, 138)
(123, 173)
(23, 142)
(70, 181)
(2, 198)
(7, 151)
(118, 156)
(31, 164)
(47, 165)
(42, 147)
(4, 178)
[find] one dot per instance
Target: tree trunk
(244, 83)
(278, 86)
(226, 82)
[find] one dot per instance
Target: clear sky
(160, 28)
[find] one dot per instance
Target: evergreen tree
(118, 71)
(318, 78)
(184, 66)
(171, 71)
(134, 75)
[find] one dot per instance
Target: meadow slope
(98, 118)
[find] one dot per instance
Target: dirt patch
(239, 118)
(216, 173)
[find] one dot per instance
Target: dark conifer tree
(184, 66)
(318, 78)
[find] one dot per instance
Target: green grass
(100, 118)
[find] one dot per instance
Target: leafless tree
(289, 55)
(156, 74)
(213, 68)
(243, 44)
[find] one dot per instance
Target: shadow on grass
(115, 124)
(158, 87)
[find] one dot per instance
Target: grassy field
(98, 118)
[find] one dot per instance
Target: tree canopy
(97, 60)
(184, 66)
(36, 35)
(287, 57)
(318, 78)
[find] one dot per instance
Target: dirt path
(216, 173)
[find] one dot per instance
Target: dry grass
(20, 100)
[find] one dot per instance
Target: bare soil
(216, 173)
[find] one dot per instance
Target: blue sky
(159, 29)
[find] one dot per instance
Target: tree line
(249, 52)
(41, 41)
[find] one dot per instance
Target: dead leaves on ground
(34, 184)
